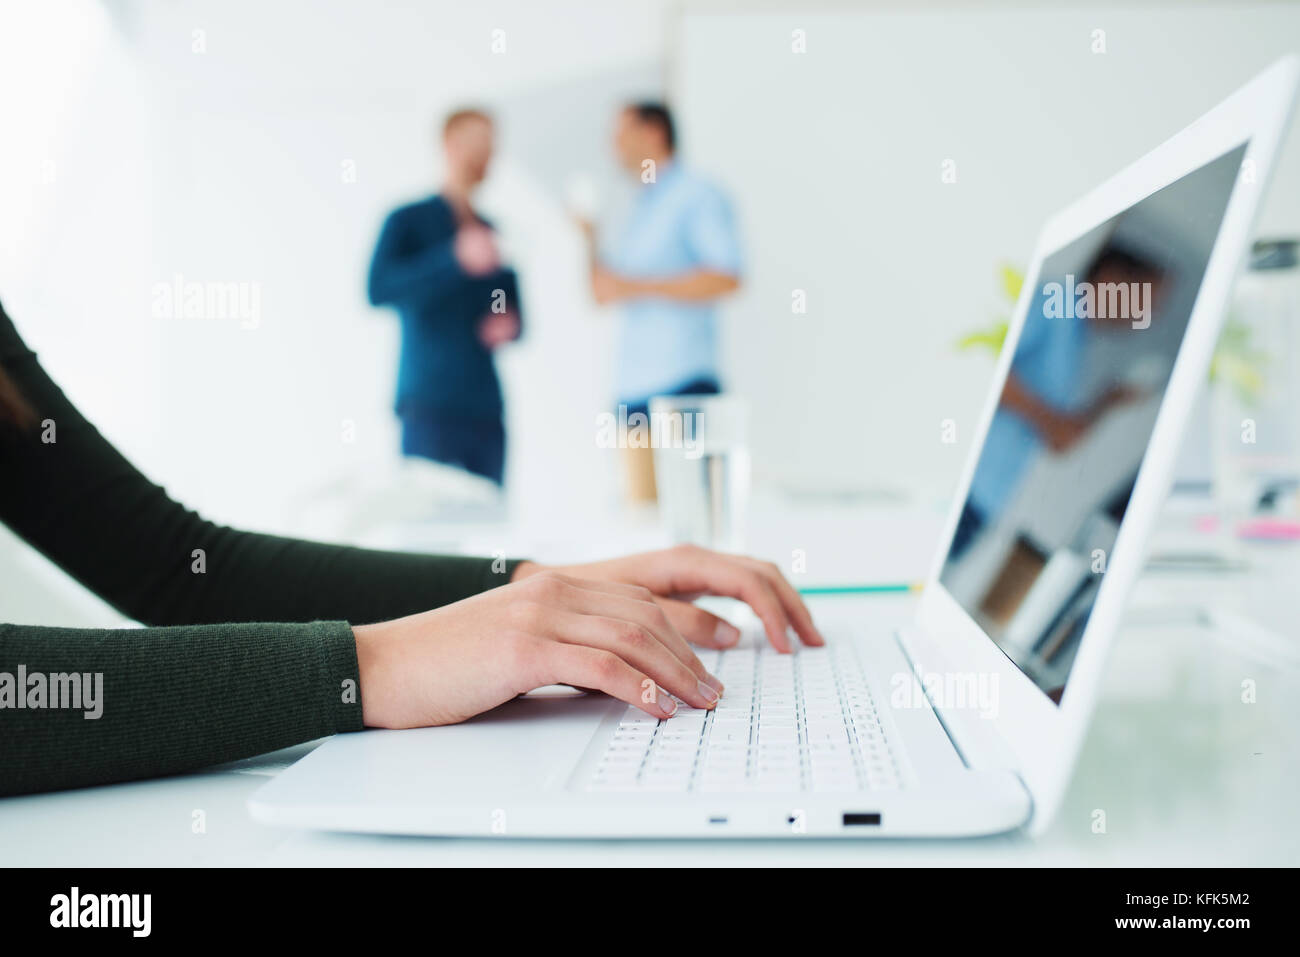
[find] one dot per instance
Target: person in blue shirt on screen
(1057, 390)
(667, 266)
(438, 265)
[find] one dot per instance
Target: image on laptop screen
(1074, 418)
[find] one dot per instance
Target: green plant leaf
(1237, 364)
(1013, 280)
(991, 338)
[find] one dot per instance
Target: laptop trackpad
(532, 742)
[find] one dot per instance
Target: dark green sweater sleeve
(67, 492)
(99, 706)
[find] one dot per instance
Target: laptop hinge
(976, 742)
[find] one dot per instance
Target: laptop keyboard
(801, 722)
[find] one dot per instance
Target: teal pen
(859, 589)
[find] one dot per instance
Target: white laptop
(967, 721)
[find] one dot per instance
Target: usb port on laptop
(860, 818)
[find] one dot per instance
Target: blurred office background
(263, 142)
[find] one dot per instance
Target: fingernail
(726, 635)
(710, 694)
(717, 684)
(667, 703)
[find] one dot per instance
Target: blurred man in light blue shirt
(667, 266)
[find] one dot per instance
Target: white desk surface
(1186, 773)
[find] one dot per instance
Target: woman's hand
(446, 665)
(614, 626)
(679, 575)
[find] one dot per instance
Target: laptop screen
(1076, 412)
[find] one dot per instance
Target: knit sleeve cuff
(339, 685)
(498, 571)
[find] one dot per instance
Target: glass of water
(701, 468)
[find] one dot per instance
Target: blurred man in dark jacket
(437, 263)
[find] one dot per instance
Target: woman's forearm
(70, 494)
(81, 707)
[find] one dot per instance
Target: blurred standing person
(676, 255)
(438, 264)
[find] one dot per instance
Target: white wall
(833, 157)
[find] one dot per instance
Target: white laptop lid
(1111, 340)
